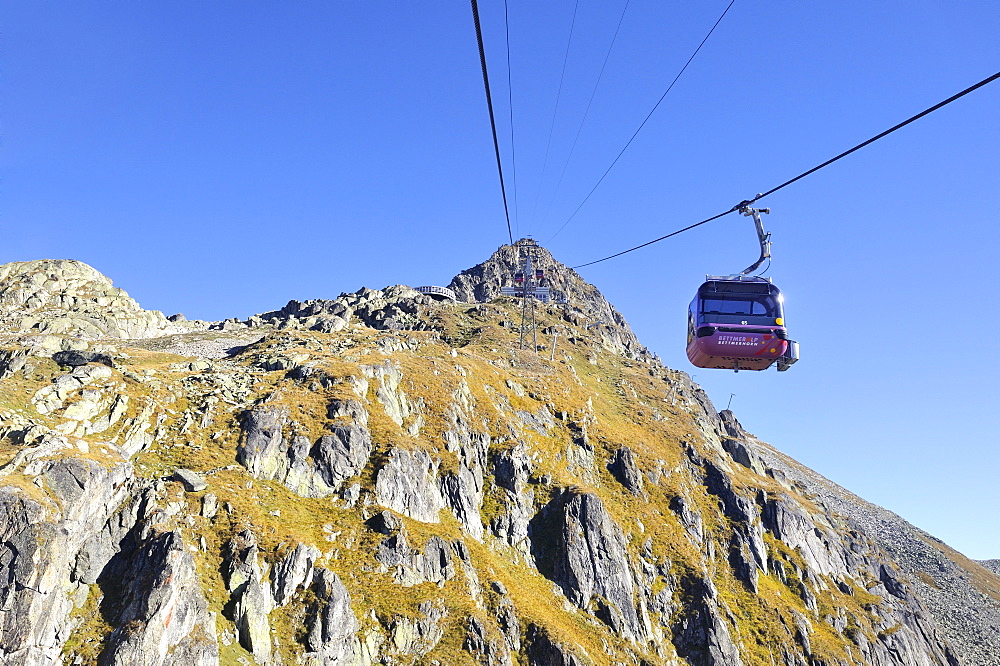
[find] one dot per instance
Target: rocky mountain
(383, 478)
(71, 299)
(587, 306)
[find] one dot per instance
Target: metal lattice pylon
(526, 283)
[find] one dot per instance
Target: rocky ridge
(963, 596)
(378, 478)
(48, 298)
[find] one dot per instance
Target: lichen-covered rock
(154, 599)
(790, 522)
(482, 648)
(331, 624)
(463, 490)
(625, 469)
(292, 572)
(699, 633)
(511, 470)
(393, 398)
(543, 651)
(410, 567)
(341, 454)
(582, 549)
(309, 469)
(418, 636)
(11, 360)
(408, 484)
(39, 546)
(65, 297)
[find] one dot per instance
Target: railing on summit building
(441, 293)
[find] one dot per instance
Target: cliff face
(382, 479)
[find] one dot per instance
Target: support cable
(879, 136)
(493, 123)
(746, 202)
(510, 107)
(555, 111)
(593, 93)
(645, 120)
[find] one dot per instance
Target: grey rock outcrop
(624, 468)
(393, 399)
(309, 469)
(462, 490)
(543, 651)
(483, 649)
(154, 598)
(192, 481)
(512, 468)
(250, 595)
(11, 360)
(992, 565)
(736, 442)
(39, 546)
(295, 570)
(408, 484)
(578, 545)
(418, 636)
(699, 633)
(436, 564)
(331, 624)
(77, 358)
(65, 297)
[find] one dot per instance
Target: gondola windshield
(728, 307)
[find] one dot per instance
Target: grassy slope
(621, 402)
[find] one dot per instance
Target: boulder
(76, 358)
(192, 481)
(625, 469)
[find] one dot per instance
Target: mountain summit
(384, 478)
(483, 283)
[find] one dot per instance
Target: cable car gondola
(737, 322)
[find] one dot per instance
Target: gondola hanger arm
(763, 236)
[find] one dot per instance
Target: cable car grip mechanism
(763, 236)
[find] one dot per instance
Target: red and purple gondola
(738, 323)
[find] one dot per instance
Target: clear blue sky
(220, 158)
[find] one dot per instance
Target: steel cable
(586, 112)
(510, 107)
(645, 120)
(555, 111)
(493, 123)
(747, 202)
